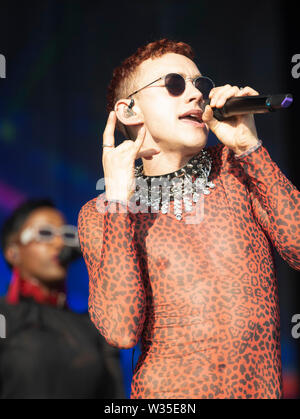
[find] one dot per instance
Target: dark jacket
(51, 352)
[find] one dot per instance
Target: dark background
(59, 59)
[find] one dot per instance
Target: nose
(192, 94)
(57, 241)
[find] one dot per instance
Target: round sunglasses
(47, 233)
(175, 84)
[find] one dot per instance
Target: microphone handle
(69, 254)
(252, 104)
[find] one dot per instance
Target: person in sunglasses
(191, 274)
(49, 350)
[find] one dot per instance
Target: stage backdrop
(59, 59)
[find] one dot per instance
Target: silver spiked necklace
(184, 185)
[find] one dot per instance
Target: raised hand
(118, 162)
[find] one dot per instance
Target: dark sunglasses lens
(69, 236)
(175, 84)
(204, 84)
(45, 234)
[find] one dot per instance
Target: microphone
(69, 254)
(251, 104)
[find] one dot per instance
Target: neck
(56, 286)
(167, 162)
(23, 285)
(47, 287)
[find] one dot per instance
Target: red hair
(122, 82)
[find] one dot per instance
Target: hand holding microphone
(229, 114)
(252, 104)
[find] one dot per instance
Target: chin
(55, 275)
(192, 139)
(195, 144)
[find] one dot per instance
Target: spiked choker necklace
(185, 184)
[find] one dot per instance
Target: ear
(128, 115)
(12, 254)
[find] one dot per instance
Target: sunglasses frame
(31, 233)
(193, 79)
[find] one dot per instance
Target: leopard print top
(201, 293)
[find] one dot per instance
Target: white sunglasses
(47, 232)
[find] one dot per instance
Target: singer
(202, 297)
(49, 351)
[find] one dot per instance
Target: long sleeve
(275, 202)
(117, 295)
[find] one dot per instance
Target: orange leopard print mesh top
(202, 296)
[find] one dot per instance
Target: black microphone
(251, 104)
(69, 254)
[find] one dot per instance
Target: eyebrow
(181, 74)
(193, 77)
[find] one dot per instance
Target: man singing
(198, 287)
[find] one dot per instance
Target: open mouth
(193, 117)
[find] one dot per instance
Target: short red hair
(122, 82)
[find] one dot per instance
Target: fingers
(147, 154)
(219, 95)
(127, 147)
(208, 117)
(247, 91)
(140, 138)
(109, 132)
